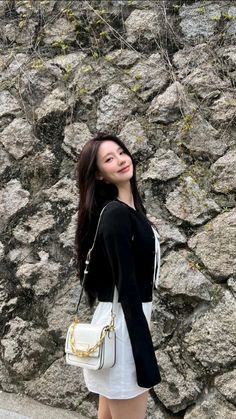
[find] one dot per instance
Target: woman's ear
(98, 175)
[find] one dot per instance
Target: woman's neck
(125, 195)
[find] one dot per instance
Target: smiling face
(114, 165)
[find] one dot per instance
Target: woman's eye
(109, 159)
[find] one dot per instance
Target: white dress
(119, 382)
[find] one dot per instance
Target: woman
(123, 257)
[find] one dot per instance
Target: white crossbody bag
(89, 345)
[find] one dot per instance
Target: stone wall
(161, 75)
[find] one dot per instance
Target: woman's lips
(125, 169)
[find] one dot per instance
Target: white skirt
(118, 382)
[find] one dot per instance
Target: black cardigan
(124, 256)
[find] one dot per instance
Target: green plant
(215, 18)
(82, 90)
(136, 87)
(140, 139)
(175, 8)
(188, 122)
(68, 71)
(87, 68)
(227, 16)
(69, 14)
(60, 43)
(201, 10)
(194, 265)
(104, 34)
(37, 63)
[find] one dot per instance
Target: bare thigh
(134, 408)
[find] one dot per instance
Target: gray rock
(56, 102)
(38, 81)
(26, 348)
(59, 32)
(45, 7)
(232, 284)
(3, 293)
(223, 109)
(28, 231)
(143, 23)
(12, 198)
(90, 77)
(2, 8)
(64, 191)
(157, 411)
(181, 279)
(76, 136)
(166, 107)
(8, 306)
(40, 169)
(179, 387)
(19, 254)
(190, 203)
(67, 237)
(164, 165)
(211, 408)
(164, 322)
(123, 58)
(4, 160)
(200, 137)
(211, 341)
(6, 381)
(1, 251)
(63, 309)
(135, 139)
(189, 58)
(224, 173)
(89, 409)
(231, 26)
(41, 277)
(18, 138)
(169, 233)
(197, 20)
(115, 107)
(226, 385)
(14, 65)
(205, 82)
(145, 4)
(8, 104)
(147, 77)
(59, 379)
(68, 62)
(227, 54)
(216, 246)
(21, 34)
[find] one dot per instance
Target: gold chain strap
(87, 352)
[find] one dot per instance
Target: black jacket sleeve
(117, 236)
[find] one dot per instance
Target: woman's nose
(121, 159)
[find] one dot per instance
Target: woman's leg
(134, 408)
(103, 408)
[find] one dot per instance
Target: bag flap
(85, 335)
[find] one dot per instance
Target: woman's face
(114, 165)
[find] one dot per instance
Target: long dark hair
(93, 195)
